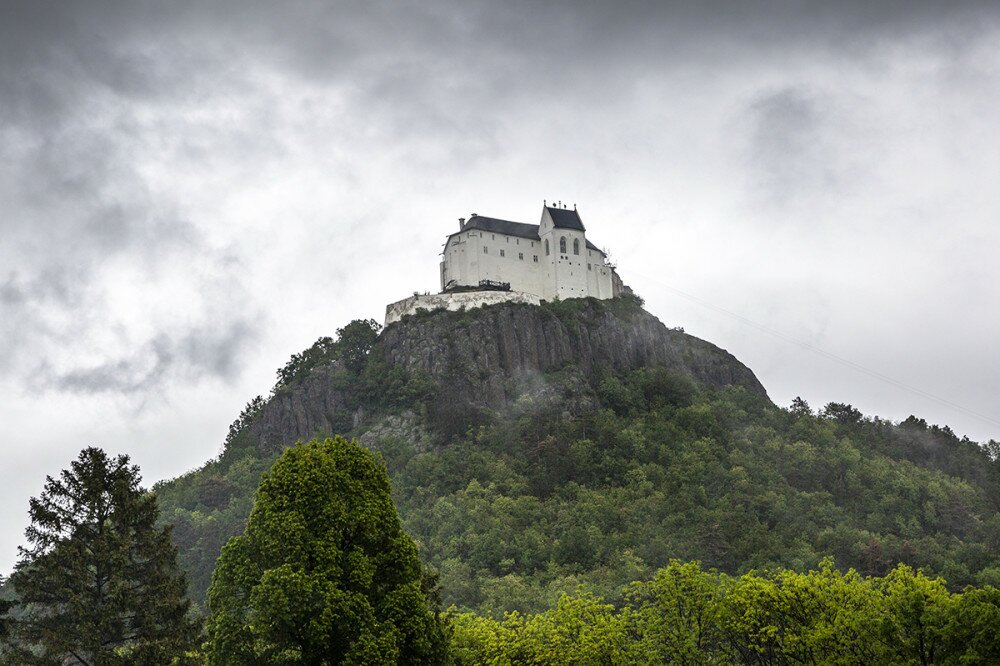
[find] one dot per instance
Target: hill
(534, 449)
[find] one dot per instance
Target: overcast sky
(192, 192)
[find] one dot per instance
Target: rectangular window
(501, 253)
(588, 267)
(486, 250)
(520, 255)
(536, 258)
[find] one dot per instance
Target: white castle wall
(600, 284)
(569, 270)
(476, 255)
(454, 301)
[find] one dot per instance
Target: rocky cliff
(487, 360)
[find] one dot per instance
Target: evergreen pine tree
(5, 620)
(324, 573)
(99, 582)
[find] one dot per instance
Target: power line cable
(822, 352)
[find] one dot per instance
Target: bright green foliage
(917, 612)
(99, 581)
(819, 616)
(579, 630)
(973, 626)
(324, 573)
(677, 615)
(687, 615)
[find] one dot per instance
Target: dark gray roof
(520, 229)
(563, 218)
(493, 225)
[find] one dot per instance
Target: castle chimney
(461, 223)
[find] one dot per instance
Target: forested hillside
(524, 472)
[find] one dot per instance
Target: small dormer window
(546, 247)
(576, 246)
(562, 245)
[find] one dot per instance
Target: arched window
(576, 246)
(562, 245)
(546, 247)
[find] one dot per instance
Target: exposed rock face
(488, 359)
(315, 407)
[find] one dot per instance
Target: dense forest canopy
(556, 494)
(618, 515)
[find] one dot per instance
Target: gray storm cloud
(193, 353)
(787, 149)
(191, 192)
(439, 83)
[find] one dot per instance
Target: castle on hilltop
(489, 260)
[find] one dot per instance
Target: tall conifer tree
(99, 581)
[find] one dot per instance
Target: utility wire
(822, 352)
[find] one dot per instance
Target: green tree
(800, 407)
(324, 573)
(5, 621)
(352, 346)
(99, 581)
(846, 414)
(973, 628)
(677, 615)
(918, 611)
(819, 617)
(355, 340)
(581, 630)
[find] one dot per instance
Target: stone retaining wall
(454, 301)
